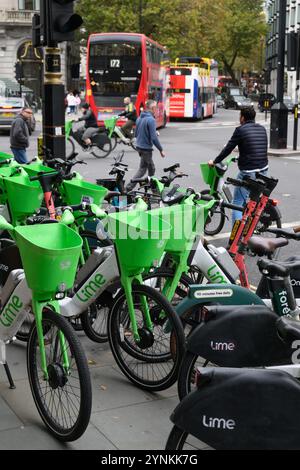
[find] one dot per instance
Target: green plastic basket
(208, 173)
(5, 156)
(34, 168)
(140, 239)
(24, 197)
(50, 255)
(110, 123)
(78, 191)
(186, 221)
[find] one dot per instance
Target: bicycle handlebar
(224, 204)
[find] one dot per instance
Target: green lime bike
(57, 367)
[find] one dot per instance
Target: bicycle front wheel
(215, 221)
(153, 362)
(64, 400)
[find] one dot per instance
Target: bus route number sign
(115, 63)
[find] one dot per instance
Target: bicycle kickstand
(5, 365)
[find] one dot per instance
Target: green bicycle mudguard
(221, 294)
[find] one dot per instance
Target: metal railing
(16, 16)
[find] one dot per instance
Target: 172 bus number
(115, 63)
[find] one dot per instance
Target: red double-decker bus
(126, 64)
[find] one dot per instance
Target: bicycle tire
(116, 336)
(114, 142)
(72, 143)
(60, 379)
(102, 152)
(214, 215)
(178, 439)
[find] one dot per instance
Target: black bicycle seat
(172, 168)
(172, 196)
(277, 268)
(266, 246)
(288, 329)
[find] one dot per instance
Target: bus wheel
(165, 121)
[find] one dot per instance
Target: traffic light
(267, 76)
(18, 71)
(56, 23)
(292, 50)
(61, 21)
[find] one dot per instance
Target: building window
(29, 4)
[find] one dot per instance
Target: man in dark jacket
(131, 115)
(19, 135)
(146, 137)
(252, 141)
(90, 124)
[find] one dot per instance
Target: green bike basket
(140, 239)
(50, 255)
(34, 168)
(24, 197)
(78, 191)
(208, 173)
(5, 156)
(186, 221)
(110, 123)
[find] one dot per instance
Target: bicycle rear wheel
(153, 363)
(181, 440)
(64, 400)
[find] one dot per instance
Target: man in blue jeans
(146, 138)
(19, 135)
(252, 141)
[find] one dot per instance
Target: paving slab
(144, 426)
(37, 438)
(8, 419)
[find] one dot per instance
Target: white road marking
(220, 236)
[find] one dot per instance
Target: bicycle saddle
(172, 168)
(172, 196)
(266, 246)
(277, 268)
(288, 329)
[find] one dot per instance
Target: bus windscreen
(115, 71)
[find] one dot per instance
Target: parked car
(237, 101)
(220, 102)
(266, 101)
(9, 108)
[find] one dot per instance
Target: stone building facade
(15, 44)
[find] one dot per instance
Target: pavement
(123, 416)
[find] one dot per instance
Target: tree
(238, 33)
(224, 29)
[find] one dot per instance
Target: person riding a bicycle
(131, 115)
(252, 141)
(90, 124)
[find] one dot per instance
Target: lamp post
(279, 112)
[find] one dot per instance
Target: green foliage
(228, 30)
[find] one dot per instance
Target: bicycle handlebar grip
(235, 182)
(233, 207)
(206, 197)
(140, 180)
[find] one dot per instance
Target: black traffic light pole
(56, 23)
(279, 112)
(53, 91)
